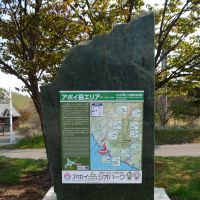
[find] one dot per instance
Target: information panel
(101, 133)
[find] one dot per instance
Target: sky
(10, 81)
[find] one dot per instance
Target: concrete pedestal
(159, 194)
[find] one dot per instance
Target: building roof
(5, 109)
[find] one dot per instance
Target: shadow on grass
(189, 192)
(180, 176)
(12, 170)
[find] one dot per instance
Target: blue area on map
(96, 159)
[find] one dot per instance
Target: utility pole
(9, 96)
(12, 136)
(164, 96)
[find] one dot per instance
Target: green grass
(12, 170)
(180, 176)
(27, 142)
(177, 136)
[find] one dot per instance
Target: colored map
(116, 136)
(101, 136)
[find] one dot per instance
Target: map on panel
(116, 136)
(101, 136)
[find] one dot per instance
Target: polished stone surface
(120, 60)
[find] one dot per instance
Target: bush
(28, 131)
(177, 136)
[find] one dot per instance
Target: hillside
(19, 101)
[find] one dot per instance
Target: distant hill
(19, 101)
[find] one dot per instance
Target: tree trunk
(35, 95)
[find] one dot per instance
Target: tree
(188, 107)
(177, 57)
(35, 35)
(163, 109)
(177, 41)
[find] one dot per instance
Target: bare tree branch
(20, 33)
(178, 73)
(161, 42)
(169, 50)
(130, 10)
(94, 3)
(162, 20)
(88, 4)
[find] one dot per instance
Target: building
(5, 117)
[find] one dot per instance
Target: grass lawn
(177, 136)
(180, 176)
(13, 169)
(23, 179)
(27, 142)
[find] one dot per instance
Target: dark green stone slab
(120, 60)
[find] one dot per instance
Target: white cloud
(10, 81)
(152, 2)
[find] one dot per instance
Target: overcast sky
(10, 81)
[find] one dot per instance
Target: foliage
(35, 35)
(163, 108)
(20, 101)
(177, 42)
(34, 121)
(29, 120)
(179, 103)
(12, 170)
(177, 58)
(180, 176)
(28, 130)
(25, 115)
(179, 106)
(192, 103)
(176, 136)
(186, 108)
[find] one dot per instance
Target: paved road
(163, 150)
(178, 150)
(24, 153)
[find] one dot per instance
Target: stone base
(159, 194)
(50, 195)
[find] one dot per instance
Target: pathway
(24, 153)
(192, 150)
(162, 150)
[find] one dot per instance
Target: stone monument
(122, 60)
